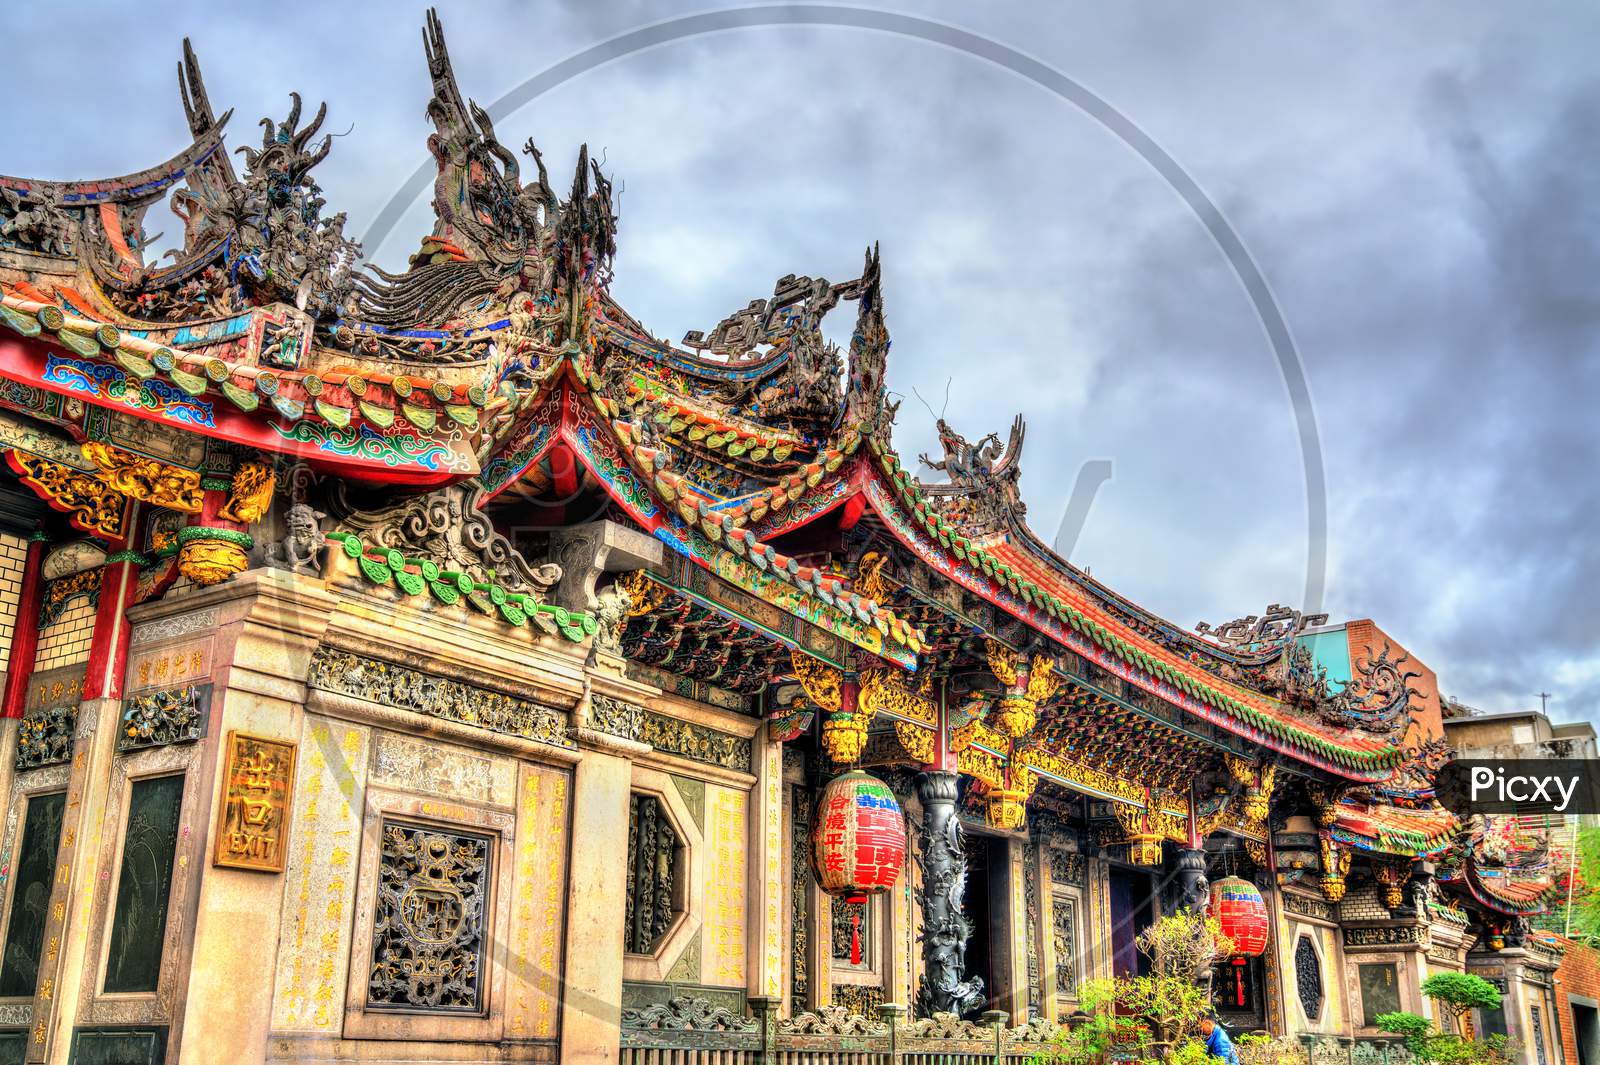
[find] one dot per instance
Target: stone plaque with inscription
(253, 821)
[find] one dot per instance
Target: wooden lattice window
(655, 851)
(1308, 978)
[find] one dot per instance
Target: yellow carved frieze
(146, 479)
(1097, 781)
(92, 504)
(916, 741)
(1027, 683)
(821, 681)
(889, 689)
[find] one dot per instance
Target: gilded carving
(1028, 682)
(870, 580)
(1392, 878)
(59, 592)
(147, 479)
(251, 494)
(822, 683)
(887, 689)
(916, 741)
(1077, 774)
(253, 819)
(1005, 808)
(644, 594)
(1335, 866)
(91, 504)
(1144, 842)
(981, 765)
(209, 556)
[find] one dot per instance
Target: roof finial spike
(580, 177)
(192, 90)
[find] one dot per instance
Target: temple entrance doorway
(1133, 908)
(1586, 1028)
(985, 904)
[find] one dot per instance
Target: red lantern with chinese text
(1242, 915)
(858, 842)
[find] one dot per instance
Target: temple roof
(500, 350)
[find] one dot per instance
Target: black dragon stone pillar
(1191, 889)
(945, 930)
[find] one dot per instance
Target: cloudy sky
(1415, 182)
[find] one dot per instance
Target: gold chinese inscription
(253, 823)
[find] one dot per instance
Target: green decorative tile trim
(416, 576)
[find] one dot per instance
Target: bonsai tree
(1459, 993)
(1429, 1046)
(1145, 1018)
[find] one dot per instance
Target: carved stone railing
(693, 1031)
(690, 1031)
(1348, 1050)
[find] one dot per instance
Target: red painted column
(25, 632)
(108, 651)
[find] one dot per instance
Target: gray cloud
(1413, 187)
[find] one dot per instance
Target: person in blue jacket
(1218, 1045)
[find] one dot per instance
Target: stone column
(66, 932)
(1014, 999)
(1189, 877)
(591, 999)
(944, 879)
(766, 950)
(272, 622)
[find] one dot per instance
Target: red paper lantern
(1240, 910)
(858, 837)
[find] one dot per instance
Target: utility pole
(1544, 703)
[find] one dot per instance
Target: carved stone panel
(1064, 930)
(403, 688)
(653, 850)
(430, 919)
(45, 736)
(154, 719)
(669, 734)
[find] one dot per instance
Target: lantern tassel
(855, 938)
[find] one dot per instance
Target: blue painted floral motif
(103, 381)
(362, 442)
